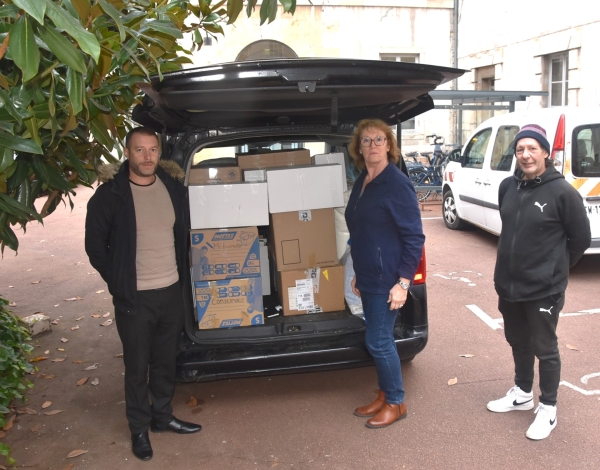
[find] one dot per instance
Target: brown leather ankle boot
(373, 408)
(389, 414)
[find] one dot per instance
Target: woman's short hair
(354, 147)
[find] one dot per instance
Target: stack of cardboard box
(295, 197)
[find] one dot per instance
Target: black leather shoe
(175, 425)
(140, 445)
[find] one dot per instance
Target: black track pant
(149, 348)
(530, 329)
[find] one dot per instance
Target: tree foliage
(68, 78)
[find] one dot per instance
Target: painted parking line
(584, 380)
(431, 218)
(484, 317)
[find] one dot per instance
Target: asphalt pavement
(302, 421)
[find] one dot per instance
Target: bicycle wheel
(423, 195)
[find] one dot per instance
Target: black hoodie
(545, 231)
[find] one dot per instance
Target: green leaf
(163, 26)
(100, 132)
(76, 164)
(8, 238)
(23, 49)
(19, 144)
(250, 7)
(75, 89)
(50, 175)
(64, 49)
(83, 8)
(86, 40)
(34, 8)
(115, 15)
(213, 28)
(9, 205)
(9, 11)
(234, 7)
(7, 158)
(8, 127)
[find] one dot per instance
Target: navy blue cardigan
(386, 234)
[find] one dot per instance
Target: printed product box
(304, 188)
(249, 161)
(331, 158)
(229, 303)
(303, 239)
(228, 205)
(216, 174)
(225, 253)
(312, 290)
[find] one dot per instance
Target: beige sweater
(155, 255)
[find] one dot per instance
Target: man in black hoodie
(545, 231)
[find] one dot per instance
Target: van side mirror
(463, 160)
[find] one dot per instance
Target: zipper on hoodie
(521, 195)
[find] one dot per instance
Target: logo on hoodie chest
(540, 205)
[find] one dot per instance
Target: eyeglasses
(366, 141)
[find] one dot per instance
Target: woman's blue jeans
(379, 338)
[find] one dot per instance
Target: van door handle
(487, 182)
(478, 181)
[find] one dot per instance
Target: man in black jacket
(136, 238)
(545, 231)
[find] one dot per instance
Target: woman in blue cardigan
(387, 238)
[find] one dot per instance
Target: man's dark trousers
(149, 349)
(530, 329)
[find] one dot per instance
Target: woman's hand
(397, 297)
(354, 289)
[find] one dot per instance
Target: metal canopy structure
(475, 100)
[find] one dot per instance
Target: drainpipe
(455, 54)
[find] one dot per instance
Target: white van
(470, 187)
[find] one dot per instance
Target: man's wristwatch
(404, 285)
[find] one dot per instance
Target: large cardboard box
(272, 159)
(215, 174)
(265, 268)
(225, 253)
(332, 158)
(326, 284)
(229, 303)
(304, 188)
(228, 205)
(303, 239)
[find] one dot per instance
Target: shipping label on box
(305, 188)
(217, 174)
(311, 290)
(229, 303)
(303, 239)
(228, 205)
(225, 253)
(256, 175)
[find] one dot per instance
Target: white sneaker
(515, 399)
(544, 423)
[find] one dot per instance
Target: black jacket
(110, 235)
(545, 230)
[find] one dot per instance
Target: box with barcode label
(311, 290)
(229, 303)
(225, 253)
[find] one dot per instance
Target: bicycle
(426, 176)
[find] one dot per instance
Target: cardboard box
(255, 175)
(303, 239)
(265, 271)
(332, 158)
(215, 174)
(228, 205)
(274, 159)
(327, 290)
(225, 254)
(229, 303)
(305, 188)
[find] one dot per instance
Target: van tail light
(558, 148)
(421, 273)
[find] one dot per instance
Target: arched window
(266, 49)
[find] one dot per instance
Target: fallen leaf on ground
(76, 453)
(466, 355)
(2, 434)
(82, 381)
(72, 299)
(37, 427)
(9, 423)
(73, 328)
(193, 402)
(107, 314)
(78, 361)
(29, 411)
(95, 382)
(64, 340)
(99, 291)
(54, 322)
(95, 315)
(12, 304)
(29, 270)
(58, 359)
(46, 404)
(36, 282)
(46, 376)
(92, 367)
(39, 358)
(70, 466)
(80, 318)
(119, 355)
(453, 381)
(570, 346)
(60, 349)
(47, 351)
(57, 305)
(107, 322)
(53, 412)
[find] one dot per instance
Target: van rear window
(585, 158)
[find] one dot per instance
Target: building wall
(353, 29)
